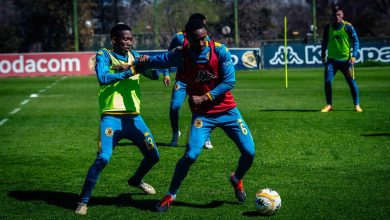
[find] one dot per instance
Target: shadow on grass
(159, 144)
(168, 145)
(377, 134)
(212, 204)
(301, 110)
(254, 214)
(289, 110)
(69, 201)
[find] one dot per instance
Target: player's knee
(175, 106)
(188, 160)
(249, 151)
(328, 82)
(102, 160)
(192, 155)
(154, 158)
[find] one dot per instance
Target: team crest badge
(198, 123)
(92, 62)
(177, 86)
(109, 132)
(146, 134)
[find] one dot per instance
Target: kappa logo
(292, 57)
(204, 75)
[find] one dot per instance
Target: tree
(172, 16)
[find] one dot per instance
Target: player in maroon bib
(201, 79)
(209, 74)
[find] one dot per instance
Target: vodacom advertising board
(83, 63)
(47, 64)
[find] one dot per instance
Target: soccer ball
(267, 201)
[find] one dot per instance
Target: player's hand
(323, 59)
(352, 60)
(198, 100)
(167, 80)
(121, 67)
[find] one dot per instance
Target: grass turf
(324, 165)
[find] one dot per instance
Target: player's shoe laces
(208, 145)
(238, 188)
(175, 138)
(81, 209)
(144, 187)
(358, 108)
(327, 108)
(165, 203)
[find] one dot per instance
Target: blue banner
(303, 55)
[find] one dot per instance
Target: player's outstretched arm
(102, 68)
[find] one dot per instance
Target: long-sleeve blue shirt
(174, 58)
(177, 41)
(351, 33)
(103, 63)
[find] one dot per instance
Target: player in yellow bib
(339, 37)
(119, 102)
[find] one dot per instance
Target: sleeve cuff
(209, 95)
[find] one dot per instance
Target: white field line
(16, 110)
(34, 95)
(25, 102)
(3, 121)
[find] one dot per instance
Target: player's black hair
(336, 8)
(193, 25)
(197, 16)
(116, 31)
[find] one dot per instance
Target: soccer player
(209, 74)
(338, 38)
(119, 102)
(179, 90)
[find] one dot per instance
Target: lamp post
(75, 26)
(314, 9)
(236, 36)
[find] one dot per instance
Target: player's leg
(137, 131)
(347, 70)
(109, 135)
(178, 96)
(236, 128)
(199, 130)
(329, 73)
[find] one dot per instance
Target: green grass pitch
(324, 165)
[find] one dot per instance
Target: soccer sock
(92, 177)
(244, 164)
(181, 171)
(174, 118)
(234, 179)
(87, 191)
(354, 91)
(173, 195)
(145, 166)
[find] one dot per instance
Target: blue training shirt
(351, 33)
(174, 58)
(103, 63)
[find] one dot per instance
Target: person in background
(179, 89)
(339, 37)
(119, 102)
